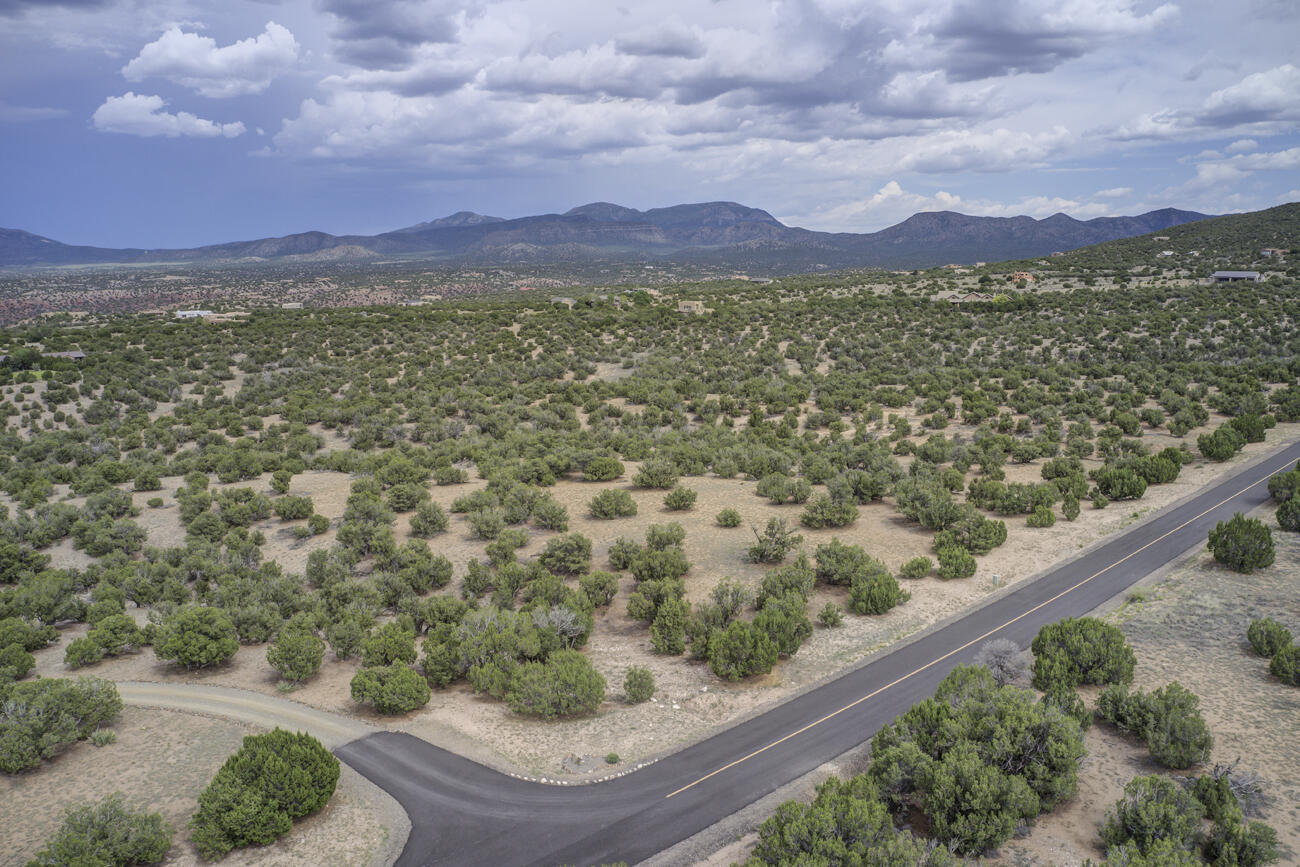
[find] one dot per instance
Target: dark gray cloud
(383, 34)
(664, 42)
(980, 39)
(10, 8)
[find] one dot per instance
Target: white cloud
(141, 115)
(996, 150)
(197, 62)
(1264, 96)
(1242, 146)
(1113, 193)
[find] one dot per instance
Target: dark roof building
(1234, 276)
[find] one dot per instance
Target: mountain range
(718, 233)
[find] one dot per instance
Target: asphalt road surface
(466, 814)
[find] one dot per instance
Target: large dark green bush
(977, 759)
(1155, 816)
(391, 689)
(613, 503)
(1081, 650)
(1267, 636)
(565, 684)
(846, 823)
(257, 794)
(40, 718)
(108, 833)
(1168, 720)
(1242, 544)
(197, 636)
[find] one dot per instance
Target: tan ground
(690, 700)
(162, 761)
(1199, 611)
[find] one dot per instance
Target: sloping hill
(718, 233)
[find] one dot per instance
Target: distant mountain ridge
(722, 233)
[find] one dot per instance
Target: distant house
(1235, 277)
(1056, 254)
(74, 355)
(192, 314)
(1160, 238)
(696, 307)
(1272, 251)
(1022, 275)
(291, 305)
(1165, 253)
(970, 298)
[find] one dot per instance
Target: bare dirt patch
(162, 760)
(690, 700)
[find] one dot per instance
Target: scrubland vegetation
(827, 396)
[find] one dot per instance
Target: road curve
(465, 813)
(266, 711)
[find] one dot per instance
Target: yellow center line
(956, 650)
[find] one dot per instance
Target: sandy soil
(1200, 611)
(690, 701)
(161, 761)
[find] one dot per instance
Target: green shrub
(955, 562)
(1285, 665)
(429, 519)
(1081, 650)
(847, 823)
(550, 515)
(823, 511)
(776, 540)
(680, 499)
(1267, 636)
(318, 524)
(296, 655)
(830, 616)
(564, 685)
(39, 718)
(1042, 516)
(197, 636)
(599, 588)
(1167, 719)
(257, 794)
(106, 833)
(15, 663)
(388, 644)
(1242, 544)
(656, 473)
(1154, 812)
(486, 523)
(80, 653)
(728, 518)
(293, 508)
(917, 567)
(741, 650)
(391, 689)
(602, 469)
(875, 591)
(613, 503)
(977, 759)
(567, 555)
(639, 684)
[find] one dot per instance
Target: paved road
(466, 814)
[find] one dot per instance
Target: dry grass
(691, 701)
(161, 761)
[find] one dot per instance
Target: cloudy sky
(180, 122)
